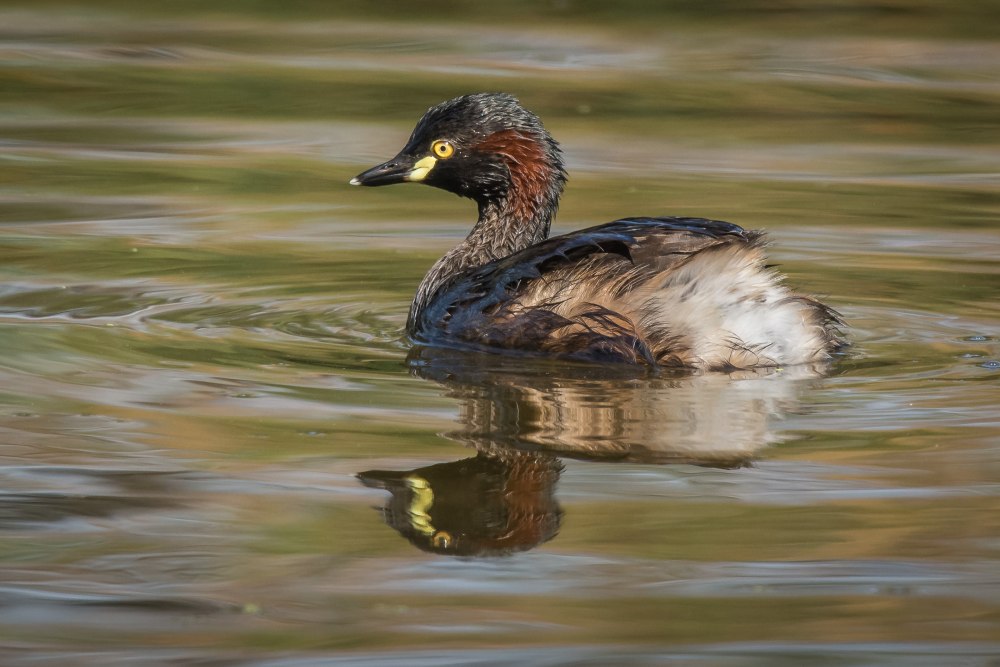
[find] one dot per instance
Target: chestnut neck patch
(531, 172)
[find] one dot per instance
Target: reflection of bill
(520, 416)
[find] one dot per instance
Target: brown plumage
(664, 291)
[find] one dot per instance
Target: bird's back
(684, 292)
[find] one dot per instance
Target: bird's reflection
(520, 417)
(490, 504)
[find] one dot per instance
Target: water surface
(201, 335)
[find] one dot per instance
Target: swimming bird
(660, 291)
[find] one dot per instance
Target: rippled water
(218, 449)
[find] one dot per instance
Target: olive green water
(201, 343)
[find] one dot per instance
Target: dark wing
(485, 306)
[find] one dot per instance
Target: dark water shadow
(522, 416)
(92, 494)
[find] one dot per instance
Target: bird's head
(484, 146)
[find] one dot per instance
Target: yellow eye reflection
(442, 149)
(442, 539)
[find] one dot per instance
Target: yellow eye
(442, 149)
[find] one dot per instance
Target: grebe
(663, 291)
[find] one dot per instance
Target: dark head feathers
(470, 118)
(503, 154)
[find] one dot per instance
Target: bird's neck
(505, 227)
(501, 230)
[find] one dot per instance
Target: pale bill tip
(354, 181)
